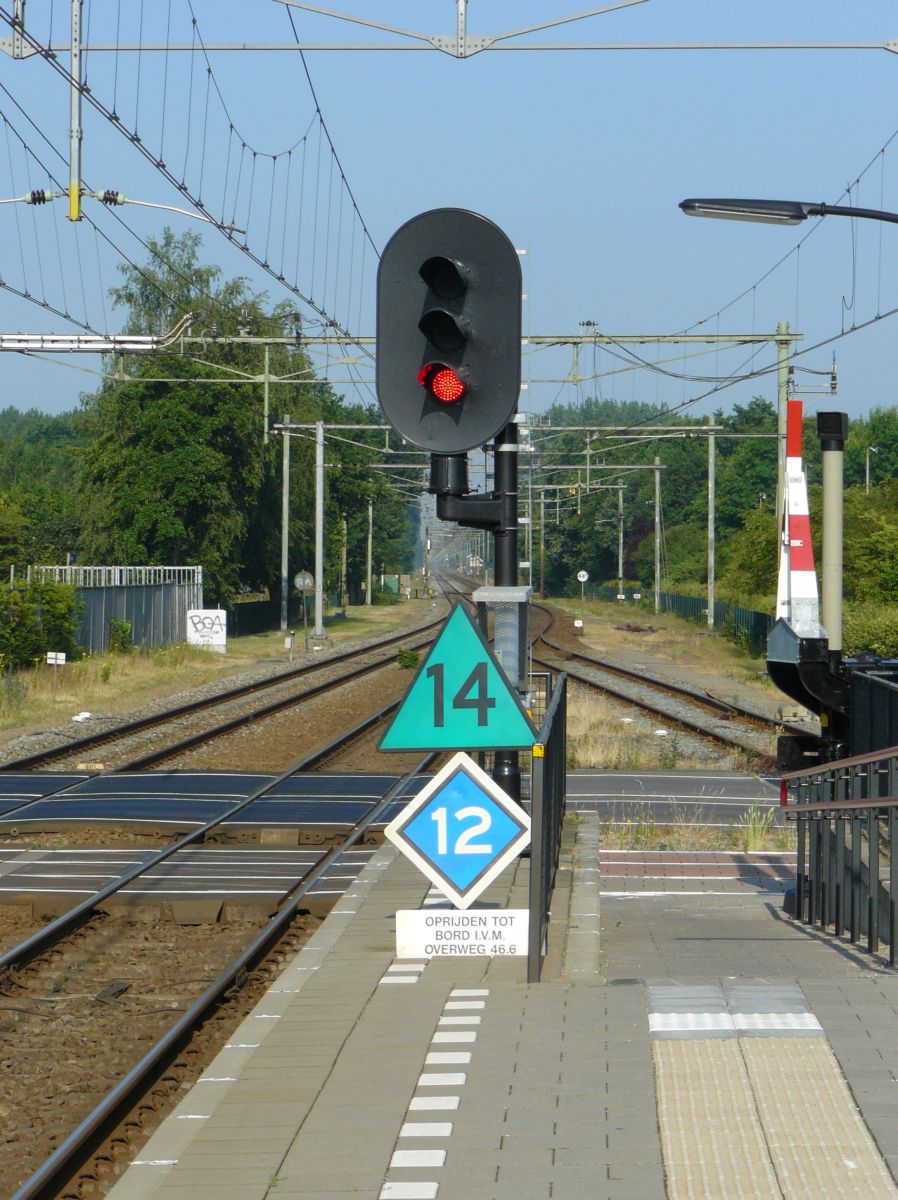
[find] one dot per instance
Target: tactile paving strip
(752, 1102)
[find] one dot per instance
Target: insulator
(38, 196)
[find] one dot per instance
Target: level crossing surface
(682, 1044)
(167, 798)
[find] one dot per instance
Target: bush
(120, 640)
(407, 659)
(382, 598)
(34, 619)
(872, 628)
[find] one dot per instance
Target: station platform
(686, 1041)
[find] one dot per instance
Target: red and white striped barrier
(797, 600)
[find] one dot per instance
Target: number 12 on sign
(463, 843)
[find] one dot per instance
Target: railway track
(162, 737)
(726, 724)
(97, 997)
(730, 725)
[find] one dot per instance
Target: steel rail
(686, 722)
(687, 693)
(44, 1184)
(195, 739)
(32, 760)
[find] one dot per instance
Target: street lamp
(778, 212)
(870, 450)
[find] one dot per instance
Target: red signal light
(442, 382)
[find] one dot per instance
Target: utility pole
(782, 407)
(657, 534)
(506, 771)
(343, 553)
(620, 537)
(712, 463)
(370, 549)
(542, 545)
(75, 130)
(318, 631)
(285, 517)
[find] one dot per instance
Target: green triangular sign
(460, 699)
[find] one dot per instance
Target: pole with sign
(582, 577)
(304, 582)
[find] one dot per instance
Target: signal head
(448, 330)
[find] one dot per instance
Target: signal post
(449, 374)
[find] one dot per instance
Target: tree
(176, 471)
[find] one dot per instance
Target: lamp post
(870, 450)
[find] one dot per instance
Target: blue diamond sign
(461, 830)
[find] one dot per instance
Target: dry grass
(673, 640)
(600, 735)
(110, 684)
(630, 826)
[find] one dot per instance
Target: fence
(547, 799)
(874, 708)
(153, 600)
(847, 822)
(262, 616)
(745, 626)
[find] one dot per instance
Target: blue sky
(582, 157)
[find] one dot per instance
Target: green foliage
(176, 472)
(120, 639)
(749, 566)
(407, 659)
(38, 499)
(34, 619)
(383, 599)
(871, 628)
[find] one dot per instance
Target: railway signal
(448, 330)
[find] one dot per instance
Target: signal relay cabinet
(510, 607)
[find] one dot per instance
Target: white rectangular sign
(453, 932)
(56, 658)
(208, 627)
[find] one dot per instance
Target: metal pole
(318, 631)
(506, 771)
(542, 545)
(620, 537)
(285, 516)
(712, 463)
(657, 534)
(266, 387)
(343, 554)
(370, 547)
(782, 392)
(832, 429)
(75, 132)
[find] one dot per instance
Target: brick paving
(687, 1041)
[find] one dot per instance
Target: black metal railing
(547, 798)
(846, 814)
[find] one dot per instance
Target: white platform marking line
(456, 1036)
(432, 1129)
(443, 1079)
(417, 1158)
(409, 1191)
(446, 1060)
(433, 1103)
(461, 1020)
